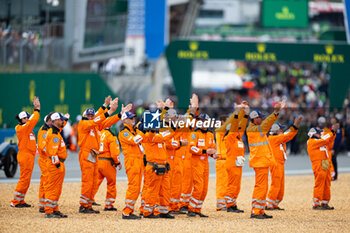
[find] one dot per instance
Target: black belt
(154, 164)
(110, 160)
(61, 160)
(160, 169)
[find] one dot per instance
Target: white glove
(240, 161)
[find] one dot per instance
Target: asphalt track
(295, 165)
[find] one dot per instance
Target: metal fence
(27, 55)
(37, 48)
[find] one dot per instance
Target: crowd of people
(168, 161)
(304, 86)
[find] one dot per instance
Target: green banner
(181, 53)
(59, 92)
(285, 13)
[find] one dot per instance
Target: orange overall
(173, 148)
(279, 151)
(158, 186)
(187, 181)
(25, 156)
(42, 163)
(221, 173)
(108, 159)
(318, 151)
(330, 145)
(200, 141)
(260, 159)
(56, 155)
(235, 147)
(89, 132)
(130, 142)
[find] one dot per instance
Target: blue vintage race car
(8, 152)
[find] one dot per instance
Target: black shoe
(52, 215)
(17, 206)
(202, 215)
(257, 216)
(60, 214)
(130, 216)
(25, 205)
(85, 210)
(96, 204)
(273, 208)
(166, 216)
(222, 209)
(151, 216)
(41, 210)
(110, 209)
(184, 208)
(177, 212)
(191, 214)
(317, 208)
(327, 207)
(234, 209)
(266, 216)
(95, 211)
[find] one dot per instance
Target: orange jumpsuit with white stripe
(279, 151)
(200, 141)
(42, 134)
(235, 147)
(260, 159)
(158, 186)
(173, 148)
(221, 173)
(178, 173)
(56, 155)
(317, 150)
(42, 163)
(89, 133)
(25, 156)
(186, 179)
(108, 159)
(330, 145)
(130, 142)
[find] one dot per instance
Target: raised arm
(286, 136)
(34, 118)
(104, 108)
(236, 118)
(268, 122)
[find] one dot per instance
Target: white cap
(311, 132)
(321, 120)
(45, 118)
(253, 114)
(57, 115)
(275, 127)
(23, 114)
